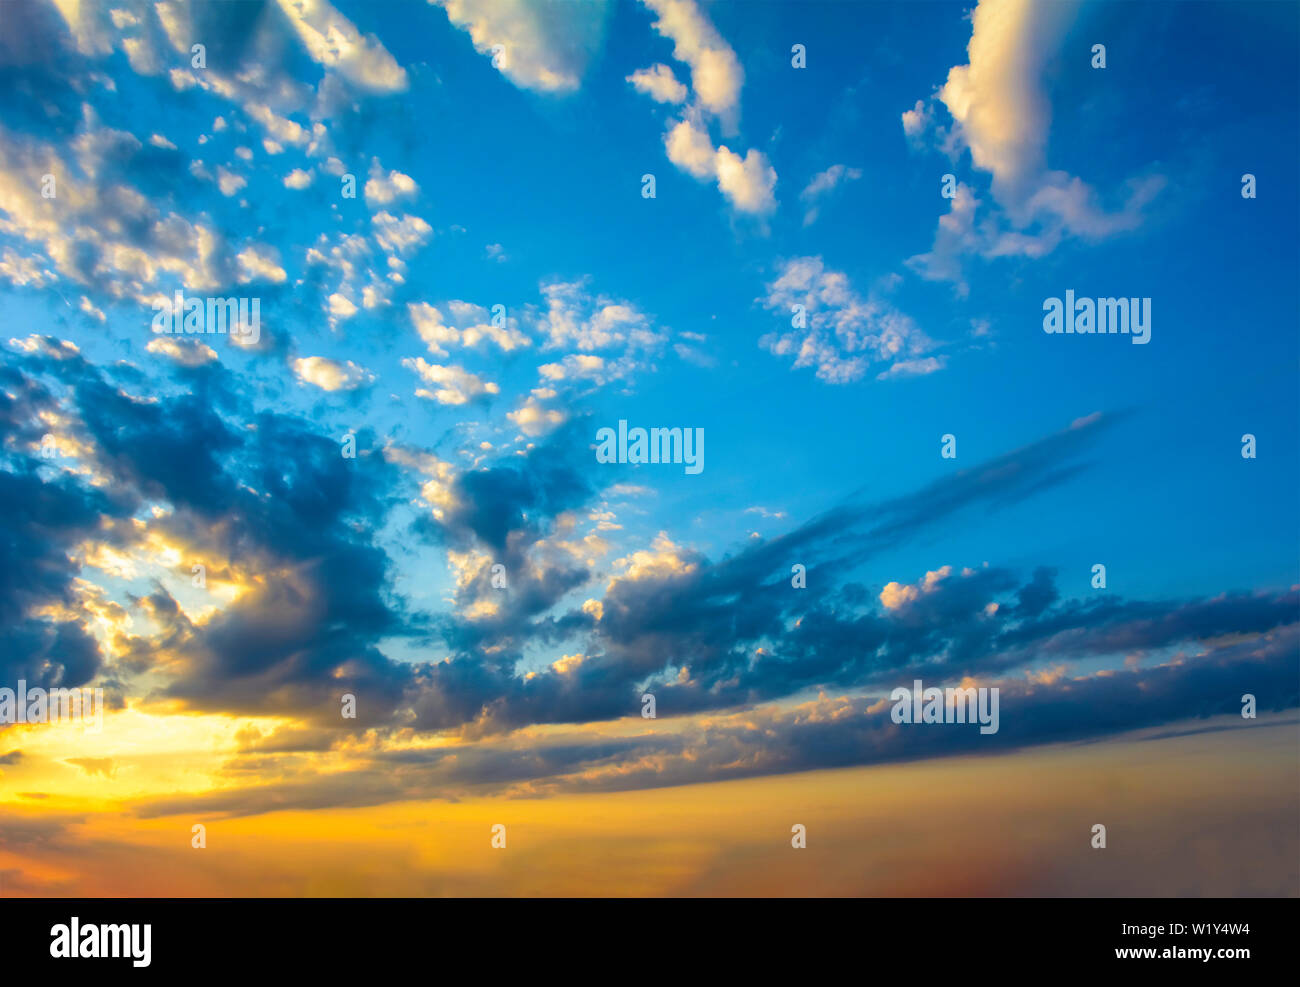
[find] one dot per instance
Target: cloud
(400, 236)
(825, 732)
(534, 419)
(478, 328)
(822, 184)
(913, 368)
(748, 183)
(843, 334)
(333, 41)
(100, 231)
(544, 46)
(250, 501)
(574, 366)
(917, 120)
(1001, 115)
(690, 149)
(659, 83)
(453, 385)
(704, 634)
(575, 318)
(229, 182)
(383, 189)
(331, 375)
(105, 767)
(186, 352)
(716, 75)
(897, 595)
(671, 608)
(258, 263)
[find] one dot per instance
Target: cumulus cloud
(748, 182)
(298, 179)
(534, 419)
(659, 83)
(382, 189)
(477, 327)
(716, 75)
(544, 46)
(1001, 115)
(260, 263)
(575, 318)
(186, 352)
(229, 182)
(333, 41)
(452, 385)
(400, 236)
(331, 375)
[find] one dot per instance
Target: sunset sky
(391, 491)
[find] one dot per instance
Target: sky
(818, 237)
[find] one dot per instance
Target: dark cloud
(747, 637)
(810, 736)
(273, 498)
(268, 496)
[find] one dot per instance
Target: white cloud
(93, 310)
(544, 46)
(913, 368)
(435, 332)
(897, 596)
(331, 375)
(659, 83)
(298, 179)
(843, 334)
(229, 182)
(533, 419)
(358, 266)
(574, 366)
(400, 236)
(260, 264)
(1001, 115)
(186, 352)
(382, 188)
(340, 307)
(333, 41)
(825, 181)
(748, 183)
(690, 149)
(99, 232)
(23, 271)
(917, 120)
(430, 323)
(578, 320)
(453, 385)
(716, 75)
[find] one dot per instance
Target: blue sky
(520, 185)
(554, 180)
